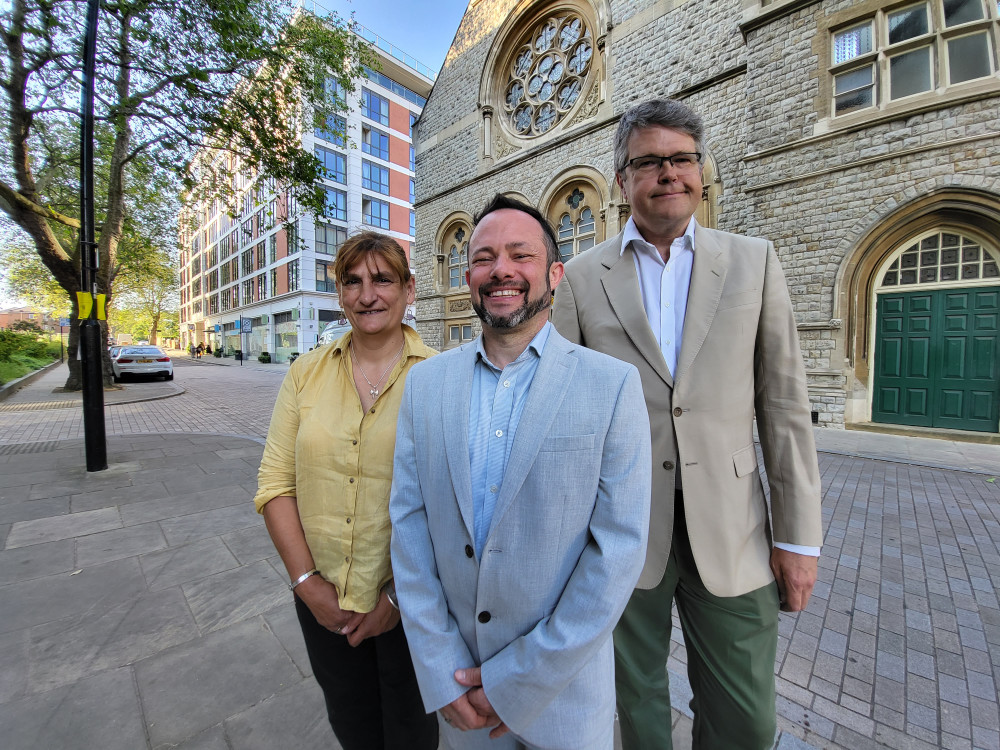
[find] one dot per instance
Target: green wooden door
(937, 359)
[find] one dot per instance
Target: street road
(229, 399)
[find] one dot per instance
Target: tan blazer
(739, 355)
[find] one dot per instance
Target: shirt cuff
(798, 549)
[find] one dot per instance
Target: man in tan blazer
(706, 318)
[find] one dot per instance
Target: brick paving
(899, 648)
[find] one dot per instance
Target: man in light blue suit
(520, 509)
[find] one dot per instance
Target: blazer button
(668, 465)
(485, 617)
(678, 411)
(468, 550)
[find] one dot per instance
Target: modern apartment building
(262, 281)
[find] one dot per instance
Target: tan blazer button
(484, 617)
(668, 465)
(678, 411)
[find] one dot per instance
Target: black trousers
(371, 691)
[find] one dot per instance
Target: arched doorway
(936, 332)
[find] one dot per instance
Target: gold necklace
(374, 386)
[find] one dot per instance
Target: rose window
(546, 75)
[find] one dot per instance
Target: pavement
(144, 606)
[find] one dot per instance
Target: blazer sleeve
(522, 679)
(436, 644)
(781, 403)
(564, 315)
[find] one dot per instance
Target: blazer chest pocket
(739, 299)
(568, 443)
(745, 460)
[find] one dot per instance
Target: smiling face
(509, 277)
(373, 297)
(663, 201)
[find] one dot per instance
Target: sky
(423, 30)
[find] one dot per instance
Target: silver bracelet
(301, 578)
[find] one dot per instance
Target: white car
(333, 331)
(142, 360)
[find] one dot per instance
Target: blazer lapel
(621, 284)
(456, 430)
(708, 276)
(548, 389)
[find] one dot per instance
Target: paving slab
(36, 561)
(185, 563)
(118, 543)
(226, 598)
(101, 711)
(185, 690)
(66, 526)
(298, 711)
(64, 651)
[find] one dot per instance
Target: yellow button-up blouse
(337, 462)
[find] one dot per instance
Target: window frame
(880, 58)
(368, 217)
(381, 186)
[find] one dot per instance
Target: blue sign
(63, 322)
(248, 325)
(218, 328)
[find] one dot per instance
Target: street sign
(63, 322)
(247, 325)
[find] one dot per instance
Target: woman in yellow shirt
(323, 488)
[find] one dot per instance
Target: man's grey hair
(667, 113)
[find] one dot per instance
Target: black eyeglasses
(686, 161)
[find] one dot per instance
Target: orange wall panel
(282, 279)
(399, 118)
(399, 185)
(399, 219)
(399, 152)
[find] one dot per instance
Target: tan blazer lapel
(708, 276)
(621, 284)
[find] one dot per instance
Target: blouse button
(354, 442)
(348, 520)
(351, 480)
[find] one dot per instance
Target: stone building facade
(863, 138)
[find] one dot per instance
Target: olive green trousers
(731, 644)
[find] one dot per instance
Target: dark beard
(525, 312)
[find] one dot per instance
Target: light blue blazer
(564, 551)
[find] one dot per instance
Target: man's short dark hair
(501, 201)
(667, 113)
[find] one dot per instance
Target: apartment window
(196, 287)
(333, 165)
(413, 158)
(335, 206)
(293, 276)
(413, 193)
(375, 142)
(413, 120)
(375, 212)
(293, 237)
(272, 248)
(248, 289)
(413, 223)
(329, 238)
(224, 274)
(213, 304)
(374, 177)
(196, 265)
(324, 277)
(212, 281)
(459, 334)
(261, 256)
(331, 130)
(374, 107)
(397, 88)
(272, 279)
(912, 50)
(246, 262)
(261, 286)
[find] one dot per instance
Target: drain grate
(17, 448)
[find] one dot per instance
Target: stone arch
(444, 239)
(571, 193)
(972, 211)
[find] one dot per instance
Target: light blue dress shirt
(498, 398)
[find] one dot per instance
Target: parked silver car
(142, 360)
